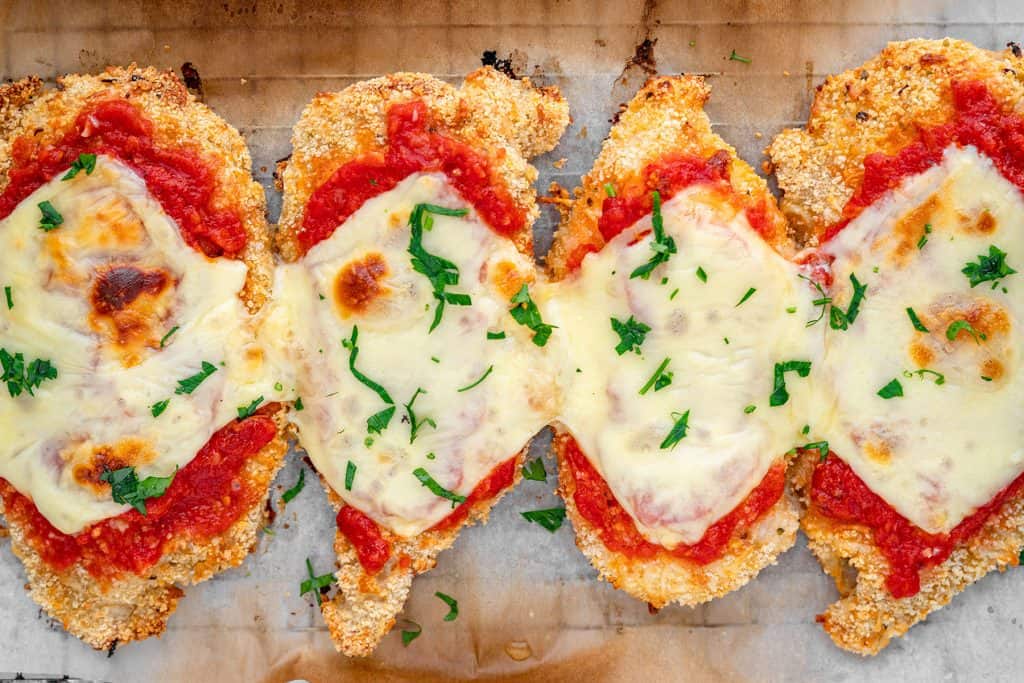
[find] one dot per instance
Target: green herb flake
(20, 377)
(678, 431)
(51, 218)
(820, 446)
(495, 335)
(791, 309)
(940, 379)
(891, 390)
(749, 409)
(453, 605)
(298, 404)
(822, 301)
(435, 488)
(295, 490)
(659, 380)
(609, 189)
(247, 411)
(440, 271)
(409, 635)
(631, 334)
(534, 470)
(415, 424)
(9, 295)
(157, 409)
(127, 489)
(915, 321)
(702, 274)
(350, 475)
(526, 313)
(84, 162)
(957, 325)
(924, 238)
(780, 395)
(750, 293)
(478, 381)
(662, 245)
(191, 383)
(673, 294)
(551, 518)
(314, 584)
(987, 379)
(841, 320)
(991, 268)
(379, 421)
(163, 340)
(733, 57)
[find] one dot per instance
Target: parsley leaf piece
(750, 293)
(20, 378)
(379, 421)
(295, 490)
(940, 379)
(352, 344)
(496, 335)
(662, 245)
(678, 431)
(314, 583)
(51, 218)
(534, 470)
(440, 271)
(822, 301)
(350, 475)
(702, 274)
(435, 488)
(891, 390)
(780, 395)
(481, 379)
(157, 409)
(409, 635)
(9, 296)
(924, 237)
(453, 605)
(526, 313)
(247, 411)
(749, 409)
(298, 404)
(991, 268)
(551, 518)
(841, 320)
(84, 162)
(915, 321)
(609, 189)
(673, 294)
(659, 380)
(631, 334)
(954, 329)
(736, 58)
(820, 446)
(163, 340)
(415, 424)
(127, 489)
(191, 383)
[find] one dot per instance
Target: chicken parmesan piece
(406, 310)
(680, 324)
(139, 414)
(908, 178)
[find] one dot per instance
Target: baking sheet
(520, 589)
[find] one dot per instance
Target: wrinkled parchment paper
(530, 606)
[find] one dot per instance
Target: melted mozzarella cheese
(721, 356)
(98, 409)
(941, 450)
(362, 276)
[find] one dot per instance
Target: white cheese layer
(100, 403)
(721, 353)
(941, 450)
(476, 429)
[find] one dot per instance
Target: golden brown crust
(867, 617)
(665, 117)
(663, 580)
(134, 607)
(877, 107)
(364, 608)
(509, 120)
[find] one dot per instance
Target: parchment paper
(520, 589)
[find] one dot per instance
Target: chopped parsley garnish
(526, 313)
(295, 490)
(749, 409)
(51, 218)
(551, 518)
(673, 294)
(987, 379)
(534, 470)
(435, 488)
(278, 386)
(379, 421)
(127, 489)
(415, 424)
(315, 583)
(298, 404)
(190, 384)
(247, 411)
(924, 238)
(409, 635)
(954, 329)
(891, 390)
(841, 320)
(820, 446)
(678, 431)
(991, 268)
(609, 189)
(631, 334)
(440, 271)
(790, 309)
(495, 335)
(84, 162)
(780, 395)
(435, 359)
(701, 274)
(662, 245)
(350, 475)
(915, 321)
(736, 58)
(659, 380)
(9, 296)
(157, 409)
(481, 379)
(750, 293)
(163, 340)
(20, 378)
(822, 300)
(453, 605)
(805, 430)
(940, 379)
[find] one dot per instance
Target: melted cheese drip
(675, 494)
(101, 399)
(477, 429)
(940, 451)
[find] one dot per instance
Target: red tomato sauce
(374, 550)
(838, 493)
(978, 120)
(183, 182)
(206, 497)
(597, 504)
(415, 145)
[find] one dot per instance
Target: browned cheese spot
(129, 307)
(358, 284)
(909, 229)
(88, 463)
